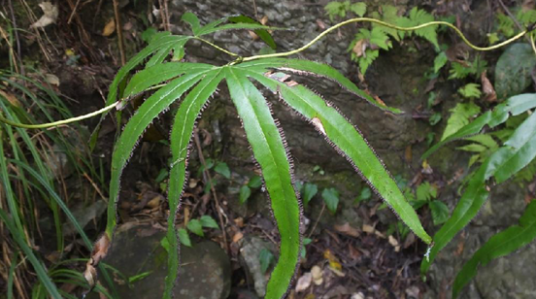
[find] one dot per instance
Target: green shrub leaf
(309, 191)
(331, 198)
(195, 227)
(207, 221)
(223, 169)
(245, 193)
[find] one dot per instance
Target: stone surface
(513, 276)
(250, 249)
(205, 270)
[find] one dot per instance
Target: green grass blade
(499, 245)
(476, 193)
(269, 150)
(181, 134)
(38, 267)
(50, 189)
(316, 69)
(135, 127)
(351, 144)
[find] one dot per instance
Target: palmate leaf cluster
(497, 164)
(193, 85)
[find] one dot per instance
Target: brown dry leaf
(10, 98)
(100, 249)
(264, 20)
(239, 222)
(237, 237)
(316, 272)
(304, 282)
(109, 28)
(347, 230)
(50, 15)
(368, 229)
(394, 243)
(333, 260)
(360, 47)
(408, 154)
(321, 24)
(52, 79)
(487, 88)
(380, 101)
(318, 124)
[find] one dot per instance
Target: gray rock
(250, 249)
(205, 270)
(512, 276)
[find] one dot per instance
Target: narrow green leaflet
(269, 150)
(264, 35)
(181, 135)
(313, 68)
(242, 22)
(476, 193)
(350, 143)
(499, 245)
(160, 73)
(124, 147)
(160, 41)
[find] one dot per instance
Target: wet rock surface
(205, 270)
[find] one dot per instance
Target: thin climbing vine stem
(216, 46)
(59, 122)
(283, 54)
(413, 28)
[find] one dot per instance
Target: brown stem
(119, 30)
(213, 191)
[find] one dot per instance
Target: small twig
(119, 30)
(513, 18)
(95, 187)
(16, 31)
(213, 191)
(73, 12)
(317, 220)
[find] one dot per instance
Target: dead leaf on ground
(109, 28)
(50, 15)
(316, 272)
(487, 88)
(10, 98)
(237, 237)
(52, 79)
(347, 230)
(394, 243)
(360, 47)
(304, 282)
(333, 260)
